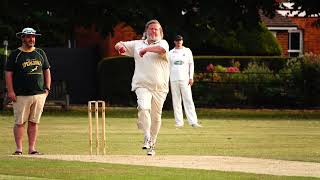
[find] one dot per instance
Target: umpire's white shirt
(152, 70)
(181, 62)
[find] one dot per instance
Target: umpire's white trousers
(181, 91)
(150, 105)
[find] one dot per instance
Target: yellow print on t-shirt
(31, 62)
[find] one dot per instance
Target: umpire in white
(181, 80)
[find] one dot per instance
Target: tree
(310, 7)
(194, 18)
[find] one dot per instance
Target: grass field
(272, 134)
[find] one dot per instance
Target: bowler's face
(29, 40)
(154, 32)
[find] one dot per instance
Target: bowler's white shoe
(151, 151)
(146, 143)
(196, 125)
(178, 125)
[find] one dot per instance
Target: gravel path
(221, 163)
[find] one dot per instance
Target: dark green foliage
(273, 62)
(311, 74)
(209, 26)
(291, 74)
(310, 7)
(262, 86)
(225, 27)
(256, 40)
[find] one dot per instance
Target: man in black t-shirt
(28, 81)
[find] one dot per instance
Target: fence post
(2, 82)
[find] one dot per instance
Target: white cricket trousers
(181, 91)
(150, 105)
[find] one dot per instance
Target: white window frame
(300, 51)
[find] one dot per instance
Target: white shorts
(28, 108)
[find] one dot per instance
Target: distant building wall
(311, 33)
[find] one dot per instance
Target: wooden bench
(58, 95)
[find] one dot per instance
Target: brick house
(295, 33)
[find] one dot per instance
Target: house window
(295, 43)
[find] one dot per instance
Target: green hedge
(273, 62)
(255, 40)
(311, 78)
(296, 84)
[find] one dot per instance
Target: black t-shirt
(27, 68)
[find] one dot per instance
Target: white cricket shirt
(152, 70)
(181, 64)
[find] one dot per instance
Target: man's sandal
(17, 153)
(36, 153)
